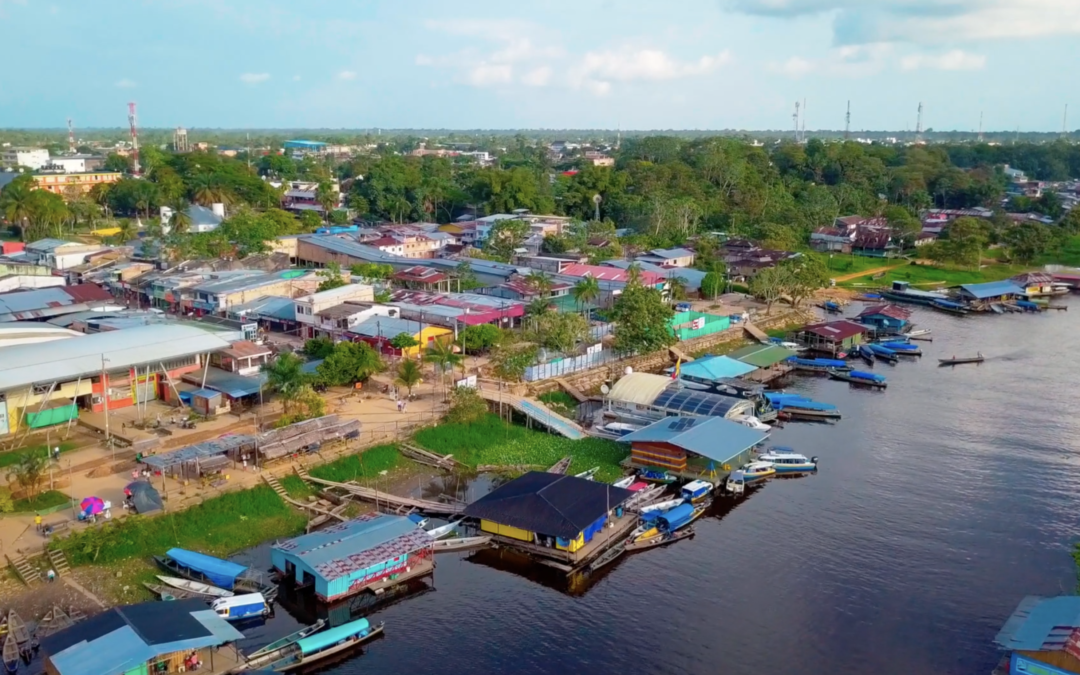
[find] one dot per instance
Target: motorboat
(667, 521)
(753, 423)
(736, 482)
(696, 491)
(620, 428)
(786, 461)
(196, 587)
(757, 470)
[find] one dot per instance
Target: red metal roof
(891, 311)
(384, 241)
(835, 330)
(610, 273)
(87, 293)
(427, 275)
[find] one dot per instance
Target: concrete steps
(59, 561)
(26, 572)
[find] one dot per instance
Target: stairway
(59, 561)
(275, 485)
(28, 574)
(301, 471)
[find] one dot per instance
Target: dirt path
(875, 270)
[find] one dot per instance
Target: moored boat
(866, 354)
(196, 587)
(620, 428)
(444, 530)
(625, 482)
(661, 539)
(321, 646)
(278, 648)
(753, 423)
(168, 592)
(884, 353)
(736, 482)
(954, 361)
(460, 543)
(16, 627)
(903, 348)
(950, 307)
(816, 365)
(696, 491)
(588, 475)
(11, 654)
(661, 506)
(860, 377)
(668, 521)
(785, 461)
(758, 470)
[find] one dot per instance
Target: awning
(220, 572)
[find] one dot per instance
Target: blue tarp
(867, 376)
(220, 572)
(781, 401)
(676, 517)
(823, 363)
(885, 351)
(900, 346)
(332, 636)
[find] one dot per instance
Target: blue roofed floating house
(1042, 636)
(989, 292)
(885, 318)
(369, 553)
(151, 637)
(710, 370)
(692, 447)
(567, 520)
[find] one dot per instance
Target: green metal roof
(762, 356)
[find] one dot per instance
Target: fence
(570, 364)
(683, 324)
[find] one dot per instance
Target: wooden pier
(569, 562)
(767, 375)
(401, 504)
(417, 454)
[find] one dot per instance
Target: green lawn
(367, 464)
(841, 265)
(12, 456)
(297, 488)
(1069, 255)
(561, 402)
(932, 275)
(492, 441)
(44, 500)
(219, 526)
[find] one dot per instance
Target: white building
(334, 321)
(73, 163)
(308, 307)
(202, 219)
(32, 158)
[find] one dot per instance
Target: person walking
(51, 575)
(37, 522)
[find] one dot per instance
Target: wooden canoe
(11, 653)
(169, 593)
(278, 649)
(195, 587)
(55, 621)
(957, 362)
(659, 540)
(460, 543)
(561, 466)
(17, 627)
(296, 660)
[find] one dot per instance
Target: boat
(917, 333)
(816, 365)
(1029, 306)
(753, 423)
(444, 530)
(860, 377)
(213, 571)
(950, 307)
(884, 353)
(831, 307)
(996, 308)
(460, 543)
(620, 428)
(607, 557)
(736, 482)
(11, 654)
(625, 482)
(902, 291)
(794, 406)
(696, 491)
(561, 466)
(866, 354)
(958, 361)
(320, 646)
(668, 521)
(786, 461)
(420, 520)
(661, 539)
(657, 476)
(661, 506)
(903, 348)
(757, 470)
(196, 587)
(588, 475)
(168, 592)
(278, 648)
(16, 627)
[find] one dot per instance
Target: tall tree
(642, 319)
(586, 291)
(284, 376)
(409, 374)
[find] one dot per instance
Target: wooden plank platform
(418, 454)
(756, 333)
(373, 495)
(571, 389)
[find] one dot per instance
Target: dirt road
(865, 273)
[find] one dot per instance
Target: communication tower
(135, 168)
(71, 137)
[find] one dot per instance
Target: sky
(558, 64)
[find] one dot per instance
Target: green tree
(714, 282)
(409, 374)
(586, 291)
(642, 319)
(17, 203)
(114, 162)
(466, 406)
(505, 237)
(467, 279)
(403, 341)
(30, 471)
(350, 362)
(373, 271)
(284, 376)
(510, 361)
(768, 285)
(332, 278)
(1028, 241)
(804, 276)
(480, 338)
(318, 348)
(7, 503)
(560, 331)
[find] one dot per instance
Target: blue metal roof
(307, 145)
(220, 572)
(715, 438)
(232, 384)
(266, 306)
(1041, 624)
(715, 368)
(386, 326)
(346, 539)
(672, 252)
(992, 289)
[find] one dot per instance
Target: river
(940, 503)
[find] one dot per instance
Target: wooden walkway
(323, 513)
(417, 454)
(756, 333)
(393, 501)
(537, 412)
(571, 389)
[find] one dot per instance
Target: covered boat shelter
(990, 292)
(712, 369)
(648, 397)
(197, 460)
(563, 521)
(693, 448)
(370, 553)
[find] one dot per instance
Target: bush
(466, 406)
(367, 464)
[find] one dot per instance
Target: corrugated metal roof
(386, 326)
(714, 438)
(65, 360)
(715, 368)
(334, 551)
(1040, 623)
(639, 388)
(270, 306)
(992, 289)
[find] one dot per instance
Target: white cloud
(951, 60)
(125, 83)
(346, 75)
(490, 75)
(254, 78)
(295, 78)
(537, 77)
(598, 70)
(847, 61)
(796, 66)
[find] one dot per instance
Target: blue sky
(685, 64)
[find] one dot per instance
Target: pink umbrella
(91, 506)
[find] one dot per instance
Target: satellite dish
(596, 199)
(629, 369)
(604, 389)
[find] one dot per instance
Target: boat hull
(796, 468)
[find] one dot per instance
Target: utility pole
(71, 138)
(105, 392)
(795, 118)
(918, 125)
(847, 122)
(980, 126)
(133, 122)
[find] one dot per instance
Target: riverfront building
(153, 637)
(370, 553)
(1042, 636)
(832, 337)
(887, 318)
(692, 447)
(564, 520)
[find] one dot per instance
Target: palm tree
(441, 354)
(633, 274)
(586, 291)
(29, 472)
(208, 189)
(127, 231)
(326, 197)
(541, 282)
(284, 376)
(16, 202)
(677, 288)
(180, 220)
(409, 374)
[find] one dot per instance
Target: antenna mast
(803, 133)
(847, 122)
(918, 125)
(135, 168)
(1065, 122)
(795, 118)
(980, 127)
(71, 137)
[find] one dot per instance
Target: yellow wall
(575, 544)
(428, 333)
(18, 401)
(506, 531)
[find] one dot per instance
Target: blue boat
(867, 354)
(950, 307)
(884, 353)
(860, 377)
(1028, 306)
(800, 407)
(319, 646)
(903, 348)
(817, 365)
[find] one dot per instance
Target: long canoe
(460, 543)
(196, 587)
(17, 628)
(278, 648)
(169, 593)
(659, 540)
(11, 654)
(956, 362)
(561, 466)
(298, 659)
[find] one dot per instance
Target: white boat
(195, 587)
(620, 428)
(444, 530)
(588, 475)
(460, 543)
(785, 461)
(753, 422)
(758, 470)
(696, 491)
(625, 482)
(917, 332)
(736, 482)
(662, 506)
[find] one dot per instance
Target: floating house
(770, 361)
(711, 370)
(989, 292)
(1042, 636)
(645, 397)
(368, 553)
(693, 448)
(564, 519)
(832, 337)
(885, 318)
(1039, 284)
(153, 637)
(901, 291)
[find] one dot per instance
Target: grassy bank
(366, 465)
(493, 441)
(561, 402)
(41, 501)
(842, 265)
(11, 457)
(219, 526)
(927, 276)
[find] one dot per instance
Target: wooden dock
(417, 454)
(323, 510)
(767, 375)
(756, 333)
(402, 504)
(568, 562)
